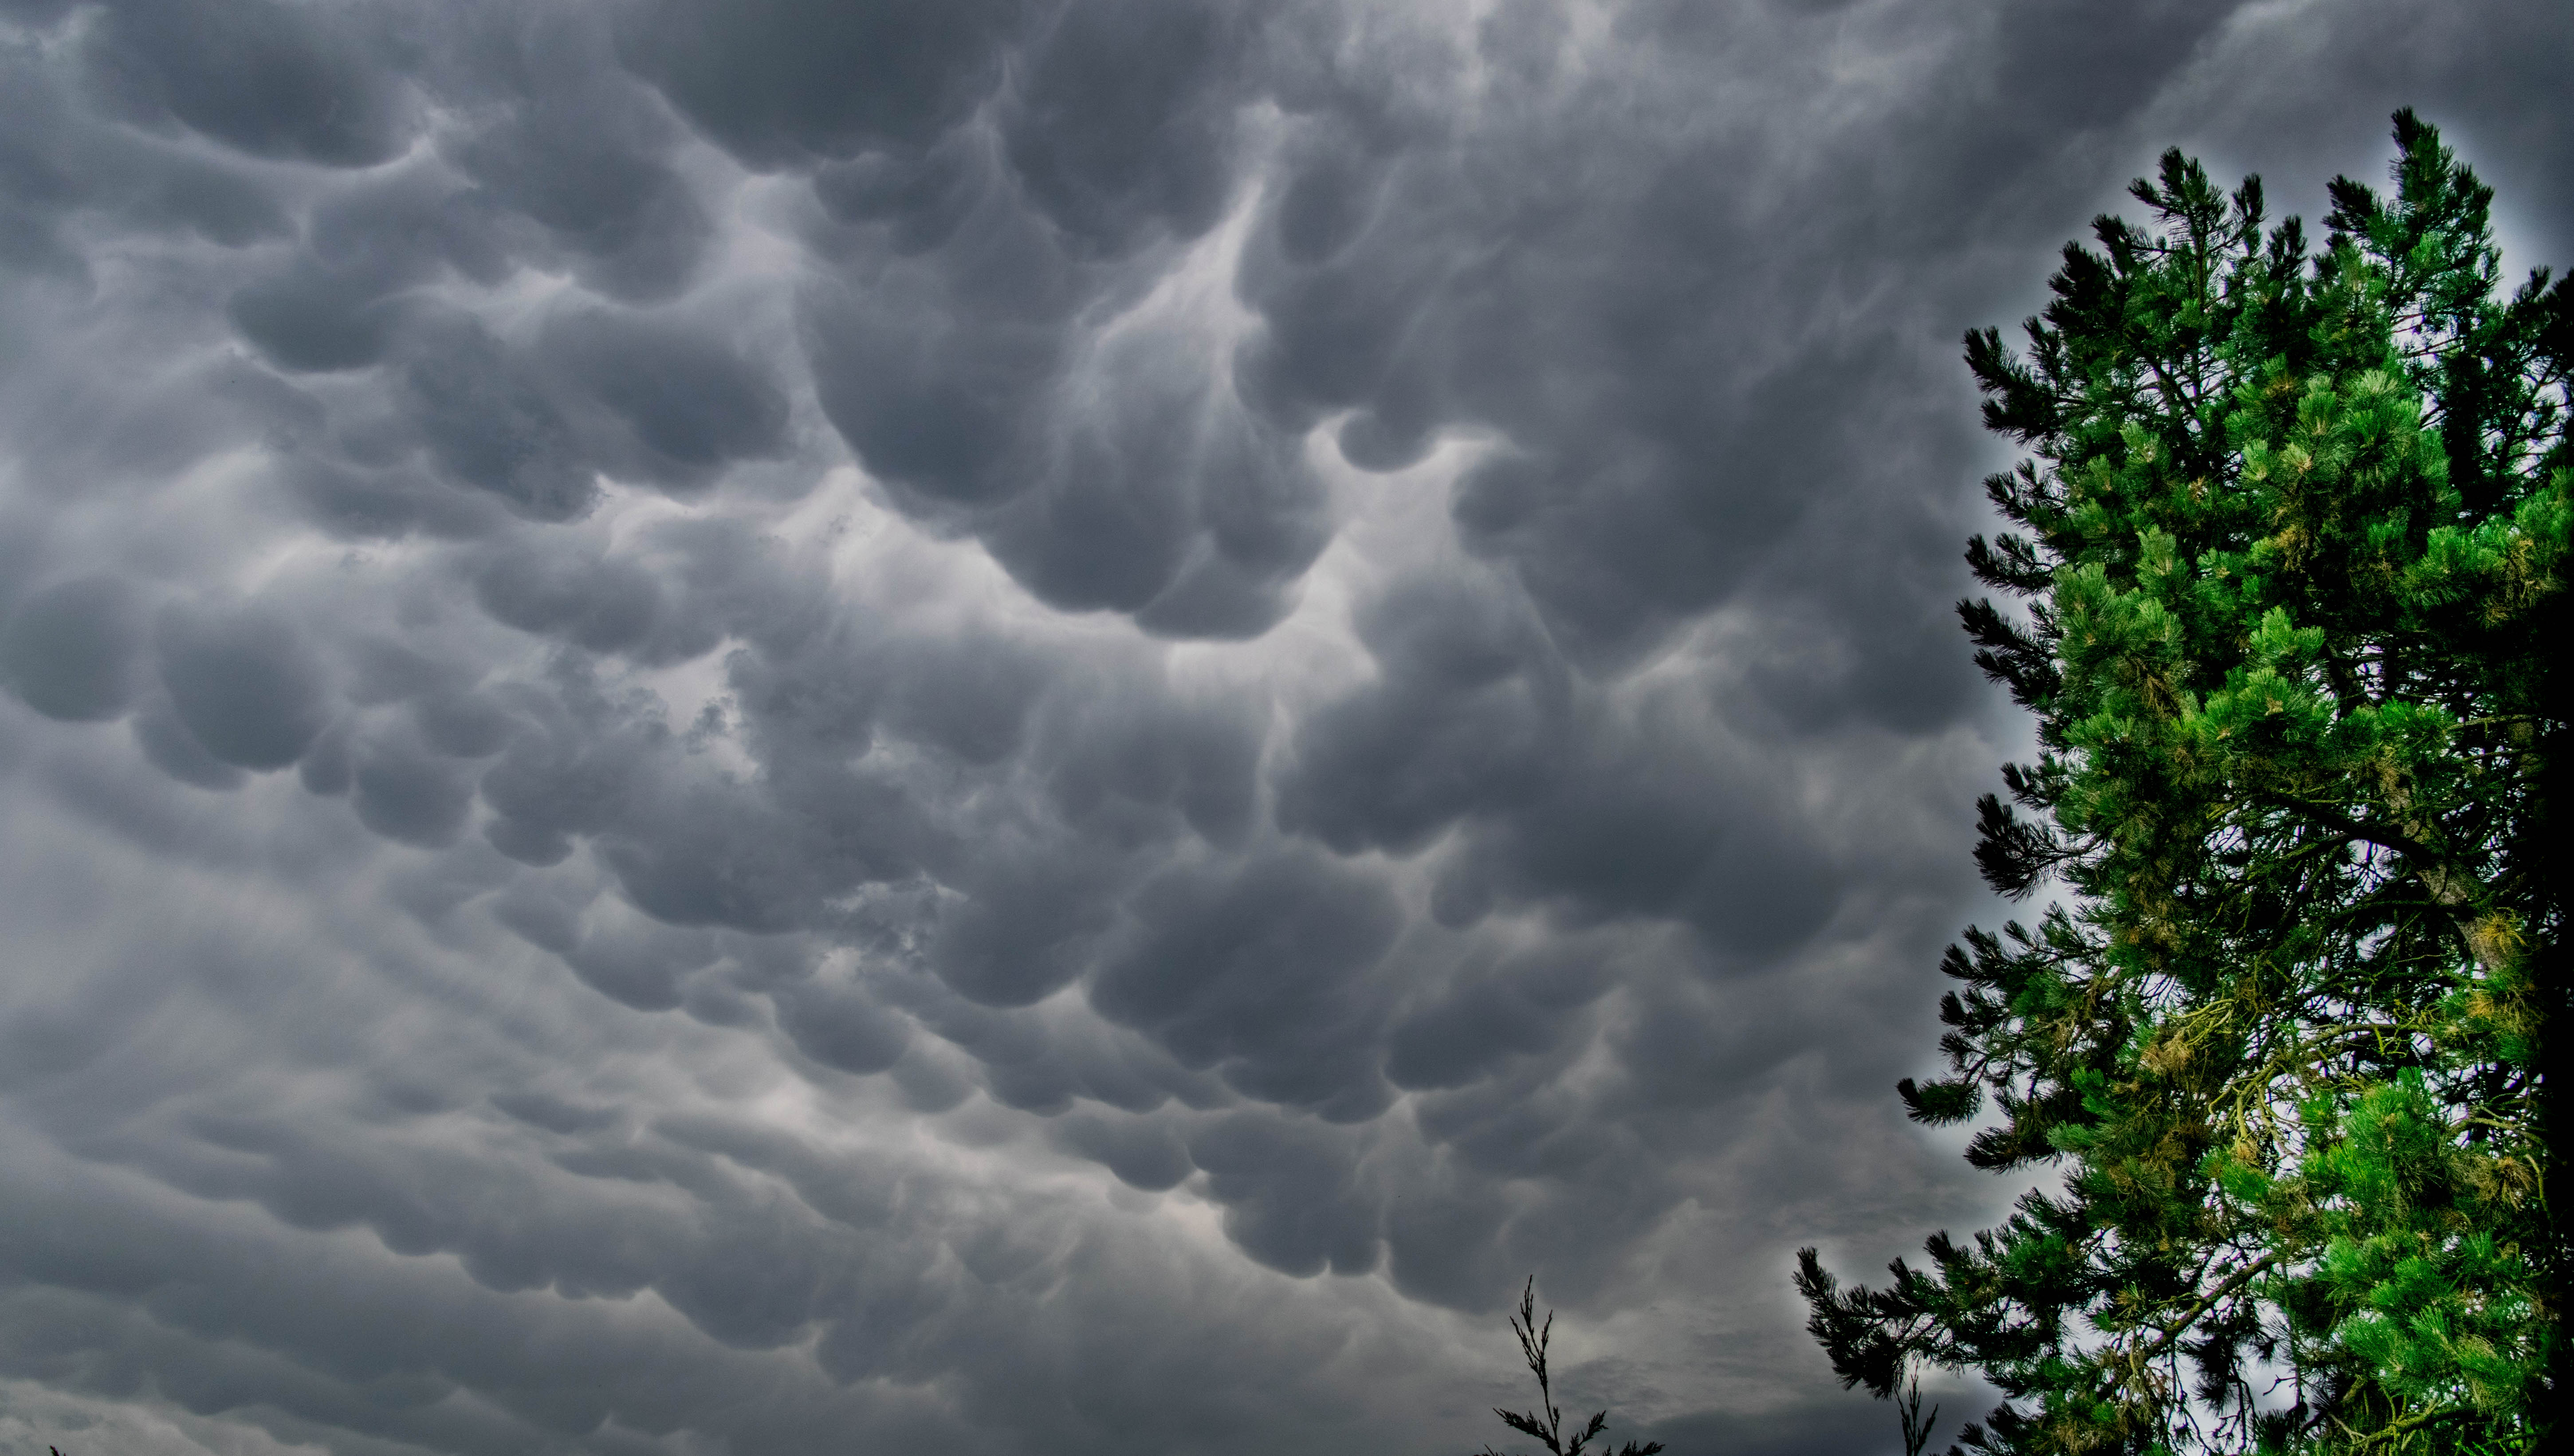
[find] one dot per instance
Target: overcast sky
(739, 728)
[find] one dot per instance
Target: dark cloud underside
(1022, 725)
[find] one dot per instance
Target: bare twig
(1546, 1423)
(1917, 1429)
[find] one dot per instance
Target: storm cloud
(1022, 724)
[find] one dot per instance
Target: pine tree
(2291, 546)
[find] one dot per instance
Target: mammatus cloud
(1018, 726)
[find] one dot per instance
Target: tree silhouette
(1546, 1423)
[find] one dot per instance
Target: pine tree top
(2289, 549)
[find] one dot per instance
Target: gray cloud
(781, 82)
(70, 649)
(243, 682)
(1032, 726)
(271, 80)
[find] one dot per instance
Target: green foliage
(2292, 542)
(1546, 1423)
